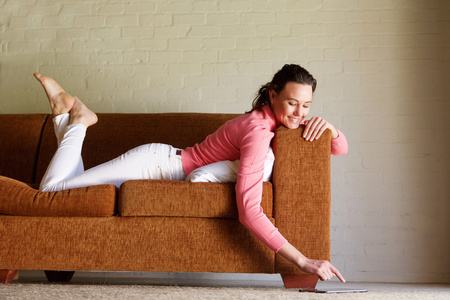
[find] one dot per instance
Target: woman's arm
(322, 268)
(314, 129)
(253, 148)
(339, 145)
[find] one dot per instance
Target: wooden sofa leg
(7, 276)
(59, 276)
(299, 281)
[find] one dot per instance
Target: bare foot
(80, 114)
(60, 101)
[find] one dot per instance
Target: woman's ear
(272, 96)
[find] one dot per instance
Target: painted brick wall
(383, 72)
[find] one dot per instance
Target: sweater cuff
(277, 243)
(339, 145)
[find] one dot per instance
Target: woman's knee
(48, 188)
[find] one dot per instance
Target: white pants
(66, 171)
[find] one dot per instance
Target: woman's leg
(60, 124)
(150, 161)
(60, 103)
(65, 163)
(70, 130)
(66, 160)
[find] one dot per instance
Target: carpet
(88, 291)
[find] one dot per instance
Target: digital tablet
(334, 290)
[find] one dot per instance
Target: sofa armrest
(302, 194)
(19, 199)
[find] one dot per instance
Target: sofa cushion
(184, 199)
(19, 145)
(19, 199)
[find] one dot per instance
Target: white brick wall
(383, 72)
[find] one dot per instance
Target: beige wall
(383, 72)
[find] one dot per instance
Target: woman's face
(291, 105)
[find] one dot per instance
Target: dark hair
(289, 73)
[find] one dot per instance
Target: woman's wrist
(293, 255)
(334, 132)
(301, 261)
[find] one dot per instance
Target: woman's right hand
(322, 268)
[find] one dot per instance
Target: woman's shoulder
(263, 118)
(251, 121)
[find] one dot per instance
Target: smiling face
(291, 105)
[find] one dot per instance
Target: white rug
(85, 291)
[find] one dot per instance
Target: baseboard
(165, 278)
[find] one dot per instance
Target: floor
(222, 280)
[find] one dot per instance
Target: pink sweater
(247, 138)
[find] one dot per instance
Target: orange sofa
(154, 225)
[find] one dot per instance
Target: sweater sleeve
(339, 145)
(254, 149)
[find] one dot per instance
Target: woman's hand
(315, 127)
(322, 268)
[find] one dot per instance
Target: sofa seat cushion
(19, 199)
(164, 198)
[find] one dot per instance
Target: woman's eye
(292, 103)
(305, 106)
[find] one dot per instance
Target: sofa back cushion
(115, 134)
(19, 144)
(165, 198)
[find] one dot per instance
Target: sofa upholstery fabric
(19, 199)
(22, 135)
(178, 198)
(312, 194)
(132, 244)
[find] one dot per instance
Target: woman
(283, 101)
